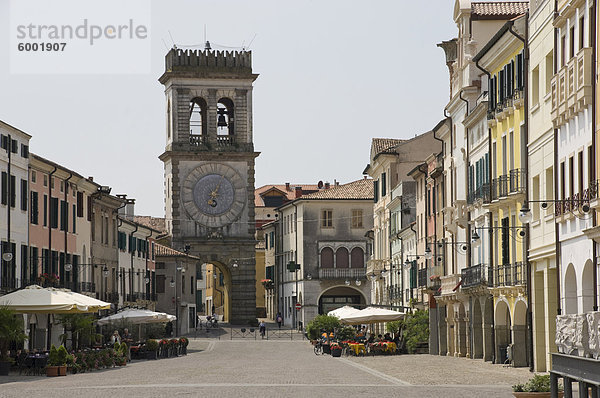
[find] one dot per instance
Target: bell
(221, 121)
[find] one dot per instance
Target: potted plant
(183, 343)
(55, 361)
(151, 349)
(336, 350)
(11, 331)
(537, 386)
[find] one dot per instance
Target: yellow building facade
(503, 58)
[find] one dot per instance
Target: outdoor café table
(357, 348)
(36, 363)
(390, 347)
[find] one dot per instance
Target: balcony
(225, 140)
(342, 273)
(475, 275)
(198, 139)
(509, 275)
(449, 284)
(88, 287)
(518, 180)
(571, 87)
(480, 194)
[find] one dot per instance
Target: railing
(518, 179)
(503, 186)
(422, 277)
(197, 139)
(87, 287)
(474, 276)
(225, 140)
(132, 297)
(509, 275)
(112, 297)
(481, 193)
(341, 273)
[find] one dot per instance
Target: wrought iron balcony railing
(509, 275)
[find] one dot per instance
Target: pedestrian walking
(279, 319)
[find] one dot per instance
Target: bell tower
(209, 169)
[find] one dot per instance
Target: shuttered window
(64, 215)
(79, 204)
(53, 212)
(34, 208)
(24, 195)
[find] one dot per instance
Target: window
(562, 181)
(504, 156)
(549, 72)
(327, 258)
(45, 180)
(511, 151)
(89, 208)
(45, 210)
(160, 283)
(24, 195)
(24, 151)
(505, 242)
(535, 86)
(580, 173)
(62, 186)
(74, 219)
(383, 184)
(375, 191)
(581, 35)
(357, 218)
(33, 176)
(34, 208)
(4, 199)
(53, 212)
(326, 218)
(572, 42)
(591, 171)
(64, 215)
(563, 50)
(79, 204)
(357, 258)
(342, 258)
(571, 177)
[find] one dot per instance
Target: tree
(11, 331)
(324, 323)
(81, 327)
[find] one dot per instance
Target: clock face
(214, 194)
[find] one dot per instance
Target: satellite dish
(320, 184)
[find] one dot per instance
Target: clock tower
(209, 169)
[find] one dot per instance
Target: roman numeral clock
(209, 172)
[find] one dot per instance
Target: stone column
(468, 336)
(212, 116)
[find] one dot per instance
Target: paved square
(240, 368)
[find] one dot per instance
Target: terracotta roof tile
(360, 189)
(383, 145)
(156, 223)
(289, 193)
(162, 250)
(499, 8)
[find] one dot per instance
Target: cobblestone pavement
(241, 368)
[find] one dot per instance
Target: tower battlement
(206, 62)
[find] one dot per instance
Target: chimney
(91, 178)
(298, 191)
(128, 210)
(327, 185)
(287, 186)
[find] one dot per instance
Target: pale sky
(333, 75)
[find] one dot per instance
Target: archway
(477, 351)
(587, 287)
(519, 334)
(339, 296)
(502, 330)
(570, 289)
(218, 290)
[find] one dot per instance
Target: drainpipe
(526, 132)
(593, 160)
(296, 261)
(147, 273)
(132, 257)
(73, 270)
(491, 260)
(49, 266)
(12, 267)
(412, 227)
(469, 254)
(556, 171)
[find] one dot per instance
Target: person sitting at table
(371, 338)
(115, 338)
(360, 335)
(379, 338)
(387, 337)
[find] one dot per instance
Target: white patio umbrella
(137, 316)
(372, 315)
(342, 311)
(35, 299)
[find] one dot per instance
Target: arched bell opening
(198, 120)
(225, 117)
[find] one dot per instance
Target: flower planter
(535, 394)
(4, 368)
(62, 370)
(52, 371)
